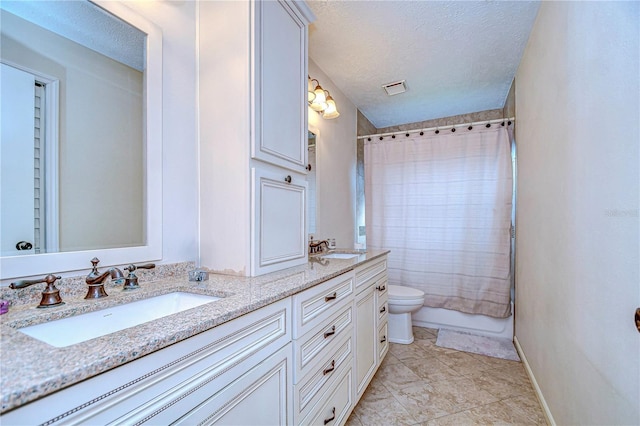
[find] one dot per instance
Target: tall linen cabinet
(252, 124)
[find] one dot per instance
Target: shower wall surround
(491, 114)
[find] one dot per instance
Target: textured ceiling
(457, 57)
(86, 24)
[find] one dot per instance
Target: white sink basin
(340, 256)
(79, 328)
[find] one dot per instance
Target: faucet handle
(50, 295)
(131, 282)
(133, 267)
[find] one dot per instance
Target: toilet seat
(398, 292)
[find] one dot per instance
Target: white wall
(225, 134)
(577, 225)
(180, 156)
(336, 168)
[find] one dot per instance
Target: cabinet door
(279, 228)
(280, 76)
(366, 338)
(258, 397)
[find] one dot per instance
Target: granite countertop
(31, 369)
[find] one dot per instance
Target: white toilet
(402, 302)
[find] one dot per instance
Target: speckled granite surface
(30, 369)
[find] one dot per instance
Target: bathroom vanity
(297, 346)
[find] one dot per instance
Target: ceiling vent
(395, 88)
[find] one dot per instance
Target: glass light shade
(310, 94)
(320, 101)
(332, 110)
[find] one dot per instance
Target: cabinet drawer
(369, 271)
(382, 287)
(313, 306)
(383, 311)
(335, 404)
(311, 387)
(383, 341)
(310, 347)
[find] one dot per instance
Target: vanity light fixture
(331, 111)
(320, 100)
(310, 93)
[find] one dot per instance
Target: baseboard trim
(534, 382)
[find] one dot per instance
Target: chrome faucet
(95, 280)
(316, 247)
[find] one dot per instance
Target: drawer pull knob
(384, 339)
(330, 332)
(383, 310)
(333, 416)
(381, 288)
(288, 179)
(331, 297)
(330, 368)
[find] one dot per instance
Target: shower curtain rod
(449, 126)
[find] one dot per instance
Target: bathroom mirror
(312, 207)
(94, 183)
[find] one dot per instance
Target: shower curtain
(442, 204)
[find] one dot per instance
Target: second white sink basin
(79, 328)
(340, 256)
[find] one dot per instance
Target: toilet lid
(400, 292)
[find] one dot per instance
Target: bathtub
(454, 320)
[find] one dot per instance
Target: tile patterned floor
(423, 384)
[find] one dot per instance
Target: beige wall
(336, 169)
(577, 277)
(100, 136)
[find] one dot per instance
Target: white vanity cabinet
(237, 373)
(303, 360)
(371, 309)
(253, 135)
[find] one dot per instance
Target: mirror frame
(316, 131)
(61, 262)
